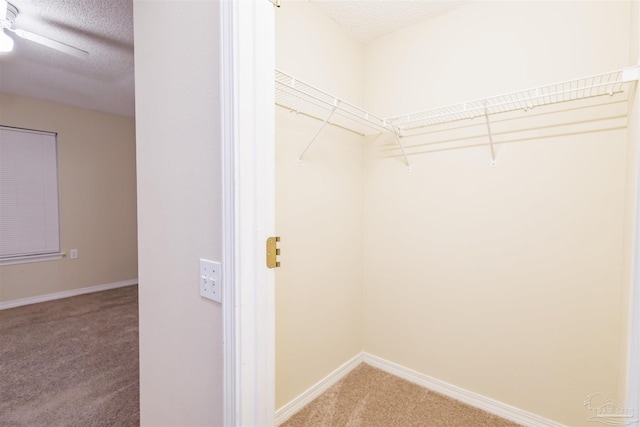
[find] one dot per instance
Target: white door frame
(633, 364)
(247, 101)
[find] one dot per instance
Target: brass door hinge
(272, 252)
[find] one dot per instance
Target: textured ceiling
(369, 20)
(104, 81)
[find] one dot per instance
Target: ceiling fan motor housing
(8, 14)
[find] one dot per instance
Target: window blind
(29, 218)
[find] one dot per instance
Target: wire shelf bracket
(396, 134)
(493, 152)
(631, 74)
(318, 132)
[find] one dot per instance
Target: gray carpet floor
(74, 363)
(71, 362)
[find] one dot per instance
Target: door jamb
(247, 104)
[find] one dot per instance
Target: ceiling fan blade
(45, 41)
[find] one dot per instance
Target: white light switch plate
(211, 280)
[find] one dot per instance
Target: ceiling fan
(8, 14)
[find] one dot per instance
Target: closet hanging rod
(319, 119)
(469, 110)
(315, 101)
(571, 90)
(301, 103)
(296, 95)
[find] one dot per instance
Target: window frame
(44, 255)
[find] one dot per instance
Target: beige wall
(312, 47)
(506, 281)
(97, 192)
(318, 208)
(459, 56)
(179, 210)
(511, 282)
(319, 285)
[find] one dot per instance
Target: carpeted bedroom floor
(74, 363)
(71, 362)
(369, 397)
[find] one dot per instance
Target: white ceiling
(105, 80)
(369, 20)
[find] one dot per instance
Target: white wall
(179, 210)
(318, 208)
(97, 192)
(507, 281)
(633, 138)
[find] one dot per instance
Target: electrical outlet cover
(211, 280)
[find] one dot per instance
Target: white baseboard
(65, 294)
(470, 398)
(284, 413)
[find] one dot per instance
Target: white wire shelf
(301, 97)
(604, 84)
